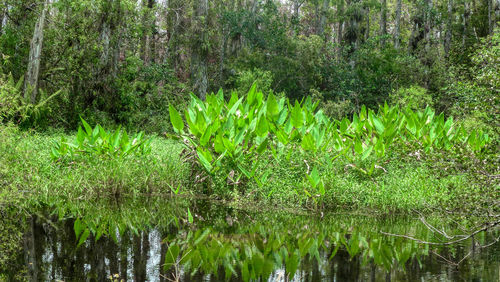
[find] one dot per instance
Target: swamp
(249, 140)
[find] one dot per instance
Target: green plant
(99, 142)
(14, 107)
(246, 78)
(235, 138)
(414, 97)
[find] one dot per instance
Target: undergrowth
(29, 176)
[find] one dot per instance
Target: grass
(28, 175)
(26, 168)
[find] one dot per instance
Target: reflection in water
(240, 245)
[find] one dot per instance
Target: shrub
(246, 78)
(413, 97)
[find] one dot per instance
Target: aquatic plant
(100, 142)
(235, 137)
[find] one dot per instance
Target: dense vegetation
(374, 107)
(390, 105)
(124, 61)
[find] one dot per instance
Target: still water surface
(168, 240)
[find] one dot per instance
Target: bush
(246, 78)
(334, 109)
(413, 97)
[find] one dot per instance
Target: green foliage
(472, 94)
(145, 93)
(99, 142)
(86, 176)
(10, 98)
(487, 62)
(14, 107)
(413, 97)
(245, 79)
(234, 138)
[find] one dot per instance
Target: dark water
(159, 241)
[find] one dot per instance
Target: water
(138, 238)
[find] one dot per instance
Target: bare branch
(485, 227)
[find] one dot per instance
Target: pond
(196, 240)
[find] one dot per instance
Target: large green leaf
(272, 107)
(297, 116)
(308, 142)
(87, 127)
(262, 128)
(377, 123)
(171, 256)
(176, 119)
(205, 158)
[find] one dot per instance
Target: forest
(229, 110)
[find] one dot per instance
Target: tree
(35, 56)
(383, 21)
(397, 28)
(148, 25)
(199, 48)
(447, 40)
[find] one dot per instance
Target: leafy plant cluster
(259, 254)
(100, 142)
(235, 138)
(18, 109)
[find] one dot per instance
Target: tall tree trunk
(31, 79)
(383, 21)
(2, 16)
(497, 14)
(340, 28)
(199, 64)
(397, 28)
(296, 9)
(322, 17)
(30, 256)
(367, 31)
(465, 18)
(447, 39)
(148, 23)
(490, 16)
(353, 33)
(493, 14)
(428, 23)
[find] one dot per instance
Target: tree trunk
(199, 64)
(428, 23)
(340, 31)
(397, 28)
(383, 21)
(497, 14)
(447, 39)
(31, 79)
(148, 32)
(110, 37)
(465, 19)
(296, 8)
(30, 251)
(322, 18)
(490, 16)
(353, 33)
(367, 31)
(2, 15)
